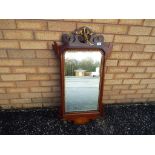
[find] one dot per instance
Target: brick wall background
(29, 70)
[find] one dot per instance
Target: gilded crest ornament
(85, 38)
(83, 35)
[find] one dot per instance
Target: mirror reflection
(82, 76)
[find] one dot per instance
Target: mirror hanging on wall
(82, 61)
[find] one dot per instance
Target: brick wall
(29, 70)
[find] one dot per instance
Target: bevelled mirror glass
(82, 80)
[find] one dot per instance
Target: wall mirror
(82, 61)
(82, 80)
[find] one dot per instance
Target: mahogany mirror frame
(82, 40)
